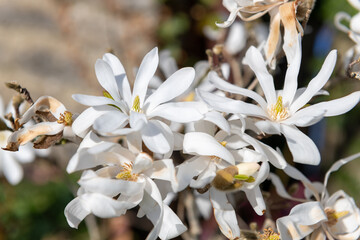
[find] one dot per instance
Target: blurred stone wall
(50, 46)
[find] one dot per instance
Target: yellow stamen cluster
(190, 97)
(223, 143)
(126, 173)
(334, 216)
(136, 105)
(269, 234)
(277, 111)
(65, 118)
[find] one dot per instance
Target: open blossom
(282, 111)
(124, 179)
(281, 12)
(328, 217)
(224, 163)
(122, 111)
(57, 122)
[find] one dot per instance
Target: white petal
(306, 117)
(230, 19)
(254, 59)
(146, 71)
(120, 76)
(203, 144)
(218, 119)
(236, 40)
(158, 137)
(106, 78)
(137, 120)
(11, 168)
(189, 169)
(75, 211)
(181, 112)
(226, 86)
(339, 164)
(300, 220)
(174, 86)
(89, 100)
(280, 189)
(316, 83)
(256, 200)
(90, 181)
(110, 121)
(301, 146)
(224, 214)
(86, 119)
(167, 63)
(231, 106)
(268, 127)
(355, 4)
(142, 162)
(205, 177)
(290, 83)
(338, 106)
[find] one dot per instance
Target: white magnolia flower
(58, 121)
(282, 111)
(281, 12)
(122, 111)
(334, 217)
(215, 155)
(126, 179)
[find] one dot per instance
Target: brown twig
(23, 91)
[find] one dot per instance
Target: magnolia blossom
(329, 217)
(280, 12)
(58, 121)
(124, 180)
(122, 111)
(218, 159)
(282, 111)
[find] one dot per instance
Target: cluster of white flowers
(127, 137)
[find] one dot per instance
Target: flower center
(65, 118)
(126, 173)
(136, 105)
(277, 111)
(334, 216)
(269, 234)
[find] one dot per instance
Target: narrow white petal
(75, 211)
(254, 59)
(158, 137)
(106, 78)
(338, 106)
(181, 112)
(268, 127)
(174, 86)
(224, 214)
(203, 144)
(226, 86)
(11, 168)
(146, 71)
(338, 164)
(301, 146)
(316, 83)
(218, 119)
(280, 189)
(230, 19)
(256, 200)
(306, 117)
(167, 63)
(189, 169)
(290, 83)
(228, 105)
(85, 120)
(205, 177)
(89, 100)
(236, 40)
(110, 121)
(142, 162)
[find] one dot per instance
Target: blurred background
(50, 47)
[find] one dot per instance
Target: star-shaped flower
(284, 110)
